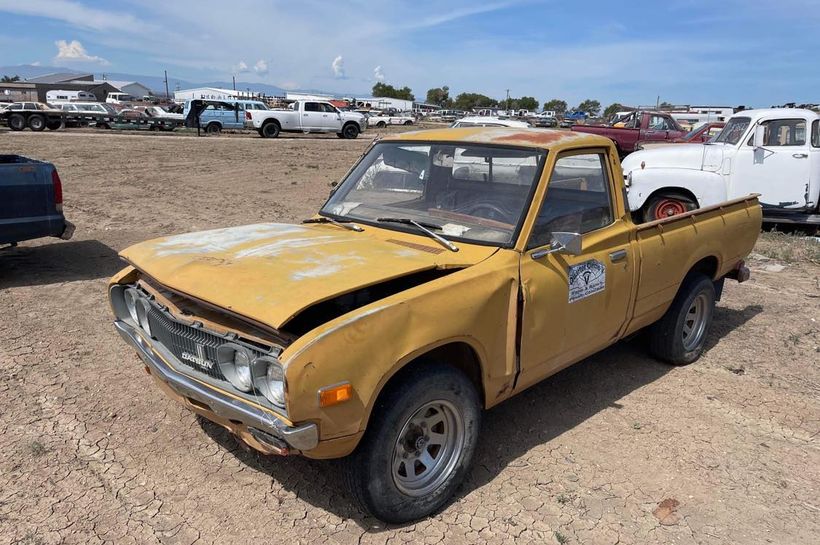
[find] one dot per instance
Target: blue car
(31, 201)
(227, 114)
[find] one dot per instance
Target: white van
(58, 96)
(119, 98)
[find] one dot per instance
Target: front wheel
(665, 206)
(350, 131)
(17, 122)
(680, 335)
(213, 128)
(418, 446)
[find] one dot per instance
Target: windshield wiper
(425, 228)
(345, 224)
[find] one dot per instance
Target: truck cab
(772, 152)
(637, 127)
(307, 116)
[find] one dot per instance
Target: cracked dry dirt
(617, 449)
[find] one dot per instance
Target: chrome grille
(181, 338)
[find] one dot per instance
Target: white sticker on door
(585, 279)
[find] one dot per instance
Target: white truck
(306, 116)
(383, 119)
(773, 152)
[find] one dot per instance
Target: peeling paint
(221, 240)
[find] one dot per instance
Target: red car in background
(701, 134)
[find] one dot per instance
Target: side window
(16, 107)
(329, 108)
(578, 199)
(312, 107)
(658, 123)
(815, 133)
(783, 132)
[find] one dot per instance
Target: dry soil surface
(617, 449)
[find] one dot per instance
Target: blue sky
(728, 52)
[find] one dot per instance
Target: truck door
(312, 116)
(575, 305)
(657, 129)
(331, 120)
(780, 170)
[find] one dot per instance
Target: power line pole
(234, 82)
(167, 94)
(508, 102)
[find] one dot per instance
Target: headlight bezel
(269, 380)
(226, 358)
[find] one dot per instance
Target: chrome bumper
(304, 437)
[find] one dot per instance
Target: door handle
(617, 255)
(305, 115)
(800, 155)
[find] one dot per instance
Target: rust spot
(533, 137)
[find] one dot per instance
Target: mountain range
(157, 83)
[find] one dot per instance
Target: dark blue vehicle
(31, 201)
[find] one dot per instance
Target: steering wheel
(490, 211)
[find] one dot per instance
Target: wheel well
(707, 266)
(460, 355)
(272, 120)
(671, 191)
(350, 123)
(217, 123)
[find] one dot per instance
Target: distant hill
(155, 83)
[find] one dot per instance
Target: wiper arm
(425, 228)
(344, 224)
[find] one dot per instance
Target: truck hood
(270, 272)
(685, 156)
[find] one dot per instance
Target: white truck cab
(773, 152)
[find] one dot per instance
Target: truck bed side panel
(669, 248)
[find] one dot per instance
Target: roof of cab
(531, 138)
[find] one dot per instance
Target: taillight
(248, 115)
(57, 186)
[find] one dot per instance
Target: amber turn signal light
(333, 395)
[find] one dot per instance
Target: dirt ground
(618, 449)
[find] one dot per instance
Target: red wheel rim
(669, 207)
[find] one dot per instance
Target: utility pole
(508, 102)
(167, 94)
(234, 82)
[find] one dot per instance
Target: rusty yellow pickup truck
(448, 271)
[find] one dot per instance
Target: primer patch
(585, 279)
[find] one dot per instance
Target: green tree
(468, 101)
(592, 107)
(385, 90)
(666, 106)
(612, 109)
(556, 105)
(9, 79)
(439, 96)
(527, 103)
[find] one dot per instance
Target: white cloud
(36, 63)
(77, 14)
(378, 73)
(261, 67)
(74, 51)
(338, 66)
(241, 68)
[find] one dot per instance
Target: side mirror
(562, 243)
(760, 133)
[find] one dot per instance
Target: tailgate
(25, 188)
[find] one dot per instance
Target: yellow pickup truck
(448, 271)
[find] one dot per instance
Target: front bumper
(302, 438)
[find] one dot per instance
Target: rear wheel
(17, 122)
(680, 335)
(36, 122)
(418, 445)
(270, 129)
(667, 205)
(350, 131)
(213, 128)
(54, 125)
(381, 124)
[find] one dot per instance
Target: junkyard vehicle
(449, 270)
(228, 114)
(306, 116)
(31, 201)
(638, 126)
(383, 119)
(545, 119)
(773, 152)
(486, 121)
(698, 135)
(34, 115)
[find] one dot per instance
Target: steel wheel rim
(694, 323)
(427, 449)
(668, 208)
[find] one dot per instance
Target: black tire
(213, 128)
(350, 131)
(381, 124)
(54, 125)
(369, 471)
(17, 122)
(408, 122)
(668, 339)
(270, 129)
(665, 205)
(339, 135)
(36, 122)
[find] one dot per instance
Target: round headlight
(235, 363)
(270, 379)
(131, 297)
(143, 307)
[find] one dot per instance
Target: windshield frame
(525, 209)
